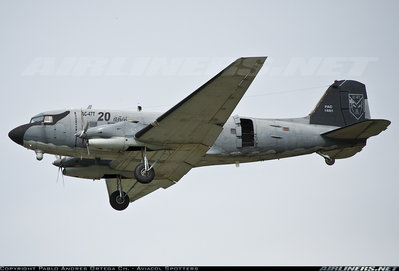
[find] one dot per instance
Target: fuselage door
(248, 133)
(245, 132)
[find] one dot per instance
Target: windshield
(48, 118)
(37, 119)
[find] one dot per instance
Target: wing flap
(360, 130)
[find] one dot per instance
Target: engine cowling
(96, 172)
(113, 143)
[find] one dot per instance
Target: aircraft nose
(17, 134)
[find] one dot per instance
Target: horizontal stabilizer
(359, 130)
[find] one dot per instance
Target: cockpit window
(48, 119)
(42, 119)
(37, 119)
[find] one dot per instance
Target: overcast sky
(119, 54)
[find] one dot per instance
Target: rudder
(344, 103)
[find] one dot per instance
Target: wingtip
(258, 59)
(253, 57)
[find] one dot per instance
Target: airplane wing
(190, 128)
(199, 118)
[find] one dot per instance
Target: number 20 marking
(103, 116)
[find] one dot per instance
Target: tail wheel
(117, 202)
(143, 176)
(329, 161)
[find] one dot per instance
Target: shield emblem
(356, 105)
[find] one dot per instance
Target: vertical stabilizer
(344, 103)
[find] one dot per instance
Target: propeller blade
(86, 127)
(59, 163)
(62, 175)
(81, 118)
(58, 173)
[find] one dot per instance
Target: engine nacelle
(114, 143)
(96, 172)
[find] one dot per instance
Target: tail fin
(344, 103)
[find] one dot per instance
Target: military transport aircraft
(137, 153)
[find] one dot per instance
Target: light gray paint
(287, 212)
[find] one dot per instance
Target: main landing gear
(144, 175)
(119, 200)
(144, 172)
(329, 161)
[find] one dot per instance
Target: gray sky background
(118, 54)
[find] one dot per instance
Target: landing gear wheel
(117, 202)
(329, 161)
(143, 176)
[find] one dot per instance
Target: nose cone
(17, 134)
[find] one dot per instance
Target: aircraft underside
(245, 155)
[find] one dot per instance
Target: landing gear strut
(119, 200)
(144, 173)
(329, 161)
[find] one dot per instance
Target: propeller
(85, 127)
(59, 163)
(62, 174)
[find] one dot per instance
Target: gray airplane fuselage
(243, 139)
(139, 152)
